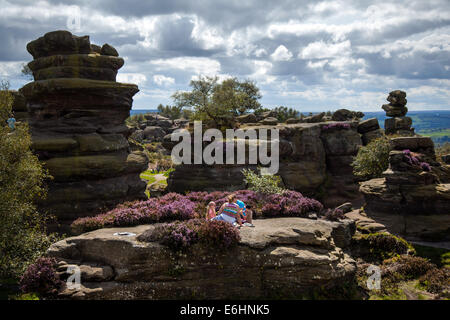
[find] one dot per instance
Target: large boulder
(247, 118)
(368, 137)
(270, 121)
(368, 125)
(346, 115)
(154, 133)
(341, 142)
(284, 257)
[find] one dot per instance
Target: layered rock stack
(413, 196)
(396, 109)
(76, 115)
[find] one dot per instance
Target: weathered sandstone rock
(247, 118)
(368, 125)
(413, 197)
(283, 257)
(76, 116)
(269, 121)
(368, 137)
(309, 158)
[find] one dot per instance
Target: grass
(148, 176)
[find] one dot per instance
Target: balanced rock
(77, 115)
(368, 125)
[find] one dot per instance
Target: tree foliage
(22, 231)
(174, 112)
(218, 103)
(284, 113)
(373, 159)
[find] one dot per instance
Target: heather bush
(177, 235)
(372, 159)
(170, 207)
(218, 234)
(437, 281)
(289, 203)
(267, 184)
(413, 159)
(174, 206)
(41, 277)
(334, 215)
(336, 125)
(410, 267)
(181, 235)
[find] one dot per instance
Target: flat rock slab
(282, 256)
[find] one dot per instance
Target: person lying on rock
(230, 212)
(246, 215)
(211, 210)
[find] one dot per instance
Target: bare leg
(249, 216)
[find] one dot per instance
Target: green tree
(218, 103)
(171, 112)
(284, 113)
(22, 228)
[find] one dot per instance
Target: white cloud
(317, 64)
(196, 65)
(135, 78)
(320, 50)
(10, 68)
(162, 80)
(281, 54)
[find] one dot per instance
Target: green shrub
(267, 184)
(373, 159)
(437, 281)
(22, 232)
(380, 246)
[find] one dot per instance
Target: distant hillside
(434, 123)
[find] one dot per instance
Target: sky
(307, 55)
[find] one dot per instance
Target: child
(230, 212)
(11, 122)
(246, 215)
(211, 210)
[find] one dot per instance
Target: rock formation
(76, 115)
(370, 130)
(315, 159)
(398, 124)
(282, 258)
(413, 196)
